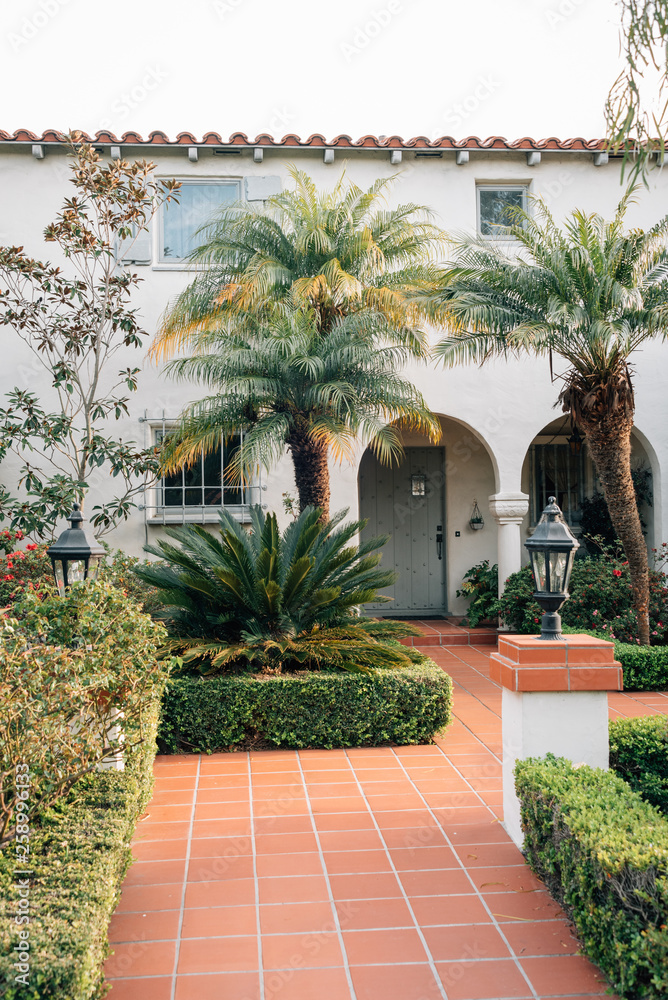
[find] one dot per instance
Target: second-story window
(198, 204)
(496, 204)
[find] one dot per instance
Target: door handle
(439, 541)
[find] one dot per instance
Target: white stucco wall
(500, 408)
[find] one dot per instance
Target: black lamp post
(552, 550)
(74, 557)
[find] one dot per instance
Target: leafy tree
(636, 117)
(78, 326)
(589, 294)
(257, 599)
(331, 253)
(286, 384)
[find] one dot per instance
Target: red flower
(32, 547)
(616, 572)
(7, 577)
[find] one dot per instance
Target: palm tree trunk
(309, 458)
(609, 442)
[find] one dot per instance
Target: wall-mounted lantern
(476, 522)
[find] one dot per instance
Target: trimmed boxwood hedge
(639, 753)
(80, 852)
(313, 709)
(603, 853)
(645, 667)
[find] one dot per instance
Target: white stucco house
(504, 444)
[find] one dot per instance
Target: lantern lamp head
(552, 550)
(74, 556)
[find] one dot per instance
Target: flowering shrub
(87, 656)
(23, 570)
(601, 599)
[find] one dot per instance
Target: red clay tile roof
(317, 140)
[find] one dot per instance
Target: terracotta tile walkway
(369, 874)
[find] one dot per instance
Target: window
(199, 202)
(203, 484)
(495, 207)
(557, 471)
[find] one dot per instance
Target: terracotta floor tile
(218, 921)
(285, 843)
(482, 980)
(223, 954)
(550, 937)
(342, 804)
(524, 906)
(161, 831)
(155, 988)
(435, 883)
(502, 879)
(394, 982)
(354, 840)
(223, 892)
(238, 826)
(154, 925)
(359, 914)
(293, 790)
(168, 814)
(296, 918)
(420, 858)
(172, 796)
(212, 795)
(373, 886)
(278, 865)
(302, 889)
(563, 974)
(155, 872)
(312, 950)
(486, 855)
(282, 824)
(152, 897)
(490, 831)
(221, 847)
(159, 850)
(392, 819)
(348, 862)
(306, 984)
(450, 819)
(141, 958)
(465, 942)
(414, 837)
(344, 821)
(222, 810)
(230, 986)
(211, 869)
(384, 947)
(450, 909)
(333, 789)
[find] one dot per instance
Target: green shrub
(639, 753)
(259, 599)
(311, 709)
(481, 584)
(645, 667)
(600, 598)
(603, 852)
(80, 852)
(68, 667)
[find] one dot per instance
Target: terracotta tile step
(462, 637)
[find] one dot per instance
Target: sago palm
(285, 384)
(333, 253)
(259, 599)
(589, 293)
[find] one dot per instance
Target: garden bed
(80, 852)
(311, 709)
(603, 852)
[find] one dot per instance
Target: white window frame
(157, 513)
(182, 263)
(499, 186)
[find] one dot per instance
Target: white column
(508, 510)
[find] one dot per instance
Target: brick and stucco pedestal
(555, 700)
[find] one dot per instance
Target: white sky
(406, 67)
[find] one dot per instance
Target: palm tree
(286, 384)
(332, 253)
(589, 293)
